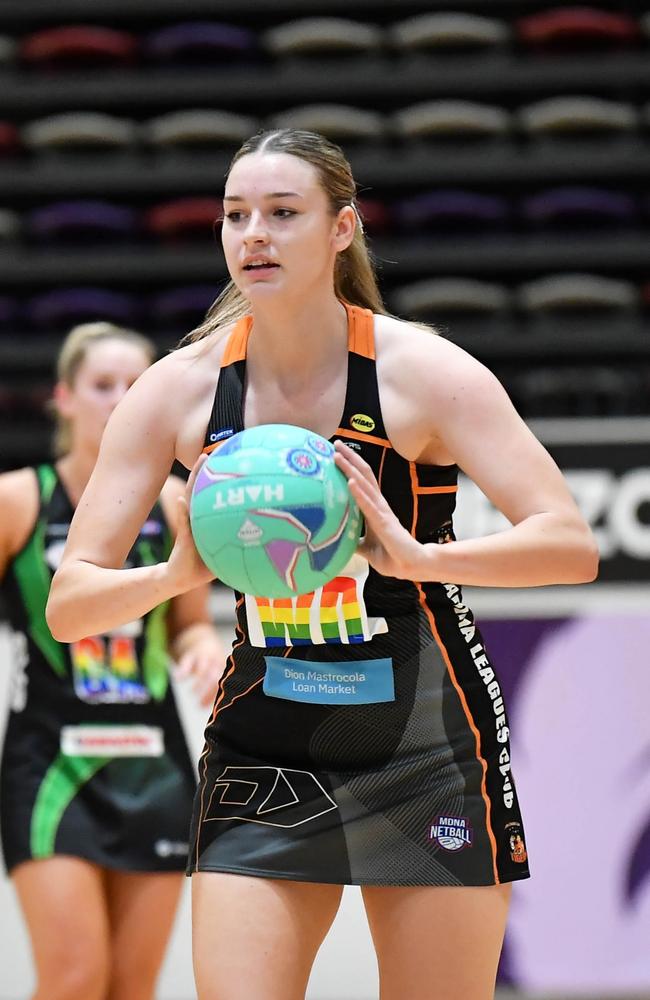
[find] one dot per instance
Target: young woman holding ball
(409, 796)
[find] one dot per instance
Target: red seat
(184, 217)
(76, 43)
(9, 139)
(577, 26)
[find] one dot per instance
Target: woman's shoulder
(418, 342)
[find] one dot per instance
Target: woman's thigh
(63, 902)
(141, 908)
(437, 942)
(257, 937)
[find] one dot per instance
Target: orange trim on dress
(359, 436)
(237, 342)
(361, 331)
(435, 489)
(454, 680)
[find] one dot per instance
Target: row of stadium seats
(575, 116)
(502, 163)
(567, 391)
(74, 45)
(438, 300)
(438, 213)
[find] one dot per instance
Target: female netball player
(407, 793)
(97, 782)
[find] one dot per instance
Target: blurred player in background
(97, 782)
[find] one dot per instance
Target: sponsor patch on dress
(112, 741)
(451, 832)
(353, 682)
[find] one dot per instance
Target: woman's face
(108, 370)
(279, 235)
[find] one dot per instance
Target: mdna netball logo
(451, 832)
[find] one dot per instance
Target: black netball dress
(95, 763)
(359, 735)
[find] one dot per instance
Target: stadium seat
(376, 216)
(57, 310)
(184, 218)
(448, 30)
(322, 36)
(7, 50)
(577, 392)
(336, 121)
(9, 138)
(10, 225)
(451, 119)
(179, 310)
(576, 293)
(202, 128)
(465, 305)
(82, 221)
(577, 116)
(8, 312)
(74, 45)
(571, 207)
(452, 210)
(73, 130)
(199, 41)
(577, 27)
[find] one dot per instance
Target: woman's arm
(18, 512)
(91, 592)
(194, 641)
(477, 426)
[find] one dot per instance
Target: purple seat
(63, 307)
(579, 206)
(206, 41)
(452, 208)
(82, 220)
(182, 308)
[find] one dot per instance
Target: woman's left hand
(387, 545)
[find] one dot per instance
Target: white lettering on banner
(611, 504)
(486, 673)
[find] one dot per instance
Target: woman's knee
(73, 977)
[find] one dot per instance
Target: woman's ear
(346, 223)
(62, 399)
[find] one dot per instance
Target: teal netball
(272, 514)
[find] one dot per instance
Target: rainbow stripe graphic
(334, 614)
(106, 670)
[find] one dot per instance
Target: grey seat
(451, 118)
(445, 30)
(577, 114)
(575, 292)
(198, 127)
(336, 121)
(79, 129)
(7, 50)
(322, 35)
(10, 224)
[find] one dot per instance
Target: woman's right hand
(185, 568)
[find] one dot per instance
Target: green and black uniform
(95, 762)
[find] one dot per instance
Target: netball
(271, 513)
